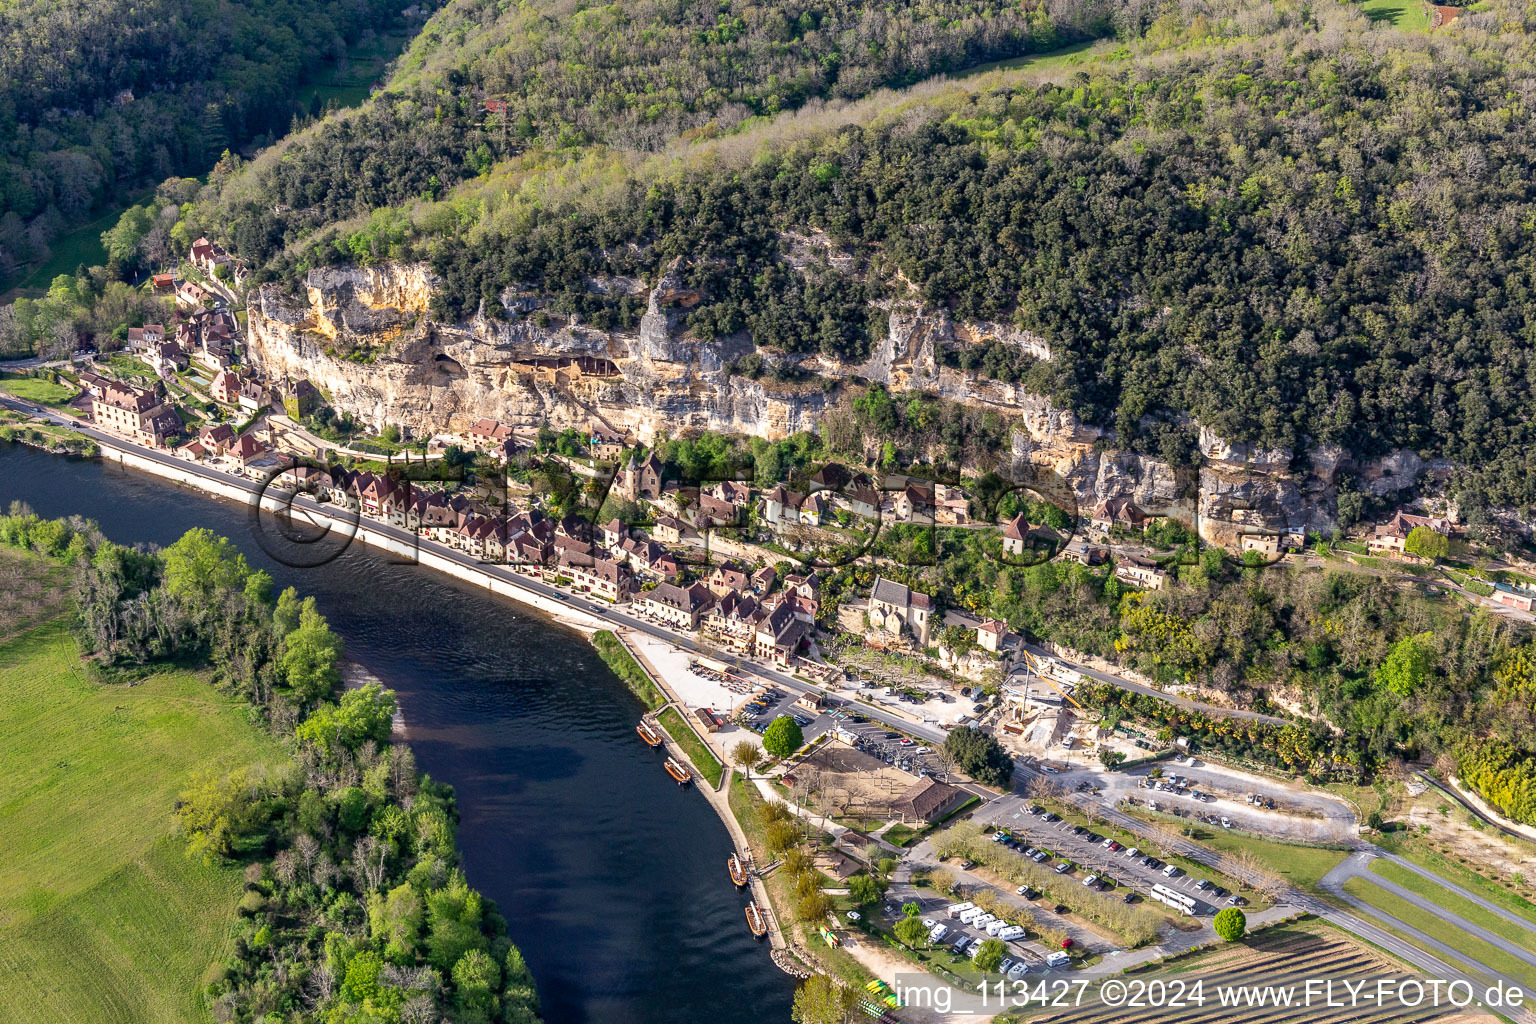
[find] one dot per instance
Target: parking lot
(1116, 867)
(1023, 955)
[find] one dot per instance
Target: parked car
(1235, 901)
(1040, 857)
(1060, 908)
(1090, 880)
(966, 865)
(1129, 897)
(1063, 868)
(1021, 890)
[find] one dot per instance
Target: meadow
(102, 916)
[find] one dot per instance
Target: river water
(612, 880)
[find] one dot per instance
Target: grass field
(1478, 952)
(702, 757)
(1408, 15)
(39, 391)
(102, 916)
(1302, 866)
(1455, 903)
(1469, 880)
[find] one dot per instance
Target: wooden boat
(678, 772)
(756, 921)
(738, 873)
(648, 733)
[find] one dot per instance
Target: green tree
(201, 564)
(783, 737)
(396, 920)
(1230, 924)
(215, 811)
(365, 713)
(453, 922)
(310, 655)
(819, 1000)
(866, 888)
(980, 756)
(1427, 543)
(991, 956)
(1407, 665)
(911, 932)
(476, 980)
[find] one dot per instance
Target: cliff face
(366, 339)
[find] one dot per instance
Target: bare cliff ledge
(366, 339)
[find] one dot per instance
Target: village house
(862, 497)
(732, 492)
(813, 510)
(678, 606)
(194, 295)
(780, 506)
(253, 396)
(914, 504)
(726, 577)
(991, 635)
(778, 636)
(928, 801)
(300, 398)
(894, 607)
(1116, 512)
(708, 720)
(138, 413)
(1139, 572)
(163, 284)
(1391, 538)
(1265, 544)
(1020, 536)
(193, 451)
(210, 258)
(487, 433)
(245, 450)
(606, 445)
(733, 619)
(140, 339)
(831, 477)
(763, 580)
(803, 595)
(217, 437)
(1521, 597)
(951, 507)
(166, 358)
(713, 511)
(668, 530)
(613, 534)
(226, 386)
(599, 577)
(642, 480)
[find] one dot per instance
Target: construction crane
(1032, 663)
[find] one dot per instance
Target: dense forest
(1318, 237)
(97, 100)
(354, 907)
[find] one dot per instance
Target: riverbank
(537, 738)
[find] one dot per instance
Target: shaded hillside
(103, 97)
(1319, 237)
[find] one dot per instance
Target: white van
(938, 934)
(1057, 959)
(967, 916)
(982, 921)
(993, 927)
(956, 909)
(1170, 870)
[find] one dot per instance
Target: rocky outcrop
(366, 341)
(366, 338)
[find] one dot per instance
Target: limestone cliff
(366, 338)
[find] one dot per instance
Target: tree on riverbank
(355, 906)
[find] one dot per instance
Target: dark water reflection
(612, 880)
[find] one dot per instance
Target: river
(612, 880)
